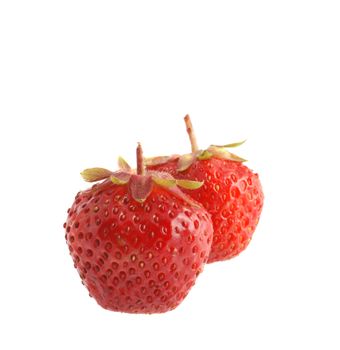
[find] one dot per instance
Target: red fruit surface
(137, 257)
(232, 194)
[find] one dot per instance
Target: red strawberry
(136, 240)
(232, 193)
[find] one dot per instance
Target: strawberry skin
(137, 257)
(232, 194)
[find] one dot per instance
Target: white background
(82, 81)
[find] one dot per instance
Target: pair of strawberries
(139, 239)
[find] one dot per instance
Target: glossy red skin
(133, 257)
(233, 196)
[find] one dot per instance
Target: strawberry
(232, 193)
(136, 240)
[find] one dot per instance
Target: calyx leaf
(231, 145)
(95, 174)
(123, 164)
(170, 182)
(140, 187)
(222, 153)
(164, 182)
(189, 185)
(204, 155)
(185, 161)
(117, 181)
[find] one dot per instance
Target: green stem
(140, 161)
(191, 133)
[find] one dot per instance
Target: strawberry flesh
(232, 194)
(137, 257)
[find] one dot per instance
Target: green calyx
(221, 152)
(140, 186)
(186, 160)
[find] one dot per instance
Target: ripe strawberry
(136, 240)
(232, 193)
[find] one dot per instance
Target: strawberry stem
(191, 133)
(140, 160)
